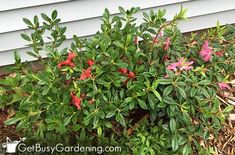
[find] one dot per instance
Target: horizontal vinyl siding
(19, 4)
(82, 17)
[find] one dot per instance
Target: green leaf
(35, 20)
(151, 102)
(99, 131)
(228, 109)
(164, 81)
(167, 90)
(122, 64)
(157, 94)
(206, 135)
(110, 114)
(51, 127)
(182, 92)
(83, 134)
(28, 22)
(204, 82)
(54, 14)
(12, 121)
(128, 99)
(46, 91)
(121, 9)
(67, 120)
(205, 92)
(168, 100)
(155, 84)
(119, 118)
(25, 37)
(32, 54)
(161, 105)
(95, 121)
(45, 17)
(17, 57)
(142, 104)
(175, 143)
(172, 124)
(187, 149)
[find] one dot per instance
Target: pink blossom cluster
(206, 52)
(181, 65)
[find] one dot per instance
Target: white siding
(82, 17)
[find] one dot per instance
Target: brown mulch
(7, 131)
(224, 144)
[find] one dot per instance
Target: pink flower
(224, 86)
(206, 52)
(181, 64)
(155, 40)
(167, 44)
(173, 66)
(186, 66)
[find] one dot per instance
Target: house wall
(82, 17)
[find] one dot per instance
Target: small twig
(222, 100)
(225, 144)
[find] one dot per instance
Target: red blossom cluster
(87, 72)
(125, 71)
(219, 53)
(68, 61)
(76, 100)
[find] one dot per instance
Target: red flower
(90, 62)
(166, 57)
(76, 100)
(71, 55)
(86, 74)
(71, 64)
(68, 61)
(131, 75)
(219, 53)
(123, 70)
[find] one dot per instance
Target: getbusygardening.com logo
(19, 146)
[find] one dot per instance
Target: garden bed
(147, 89)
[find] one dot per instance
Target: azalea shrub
(146, 88)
